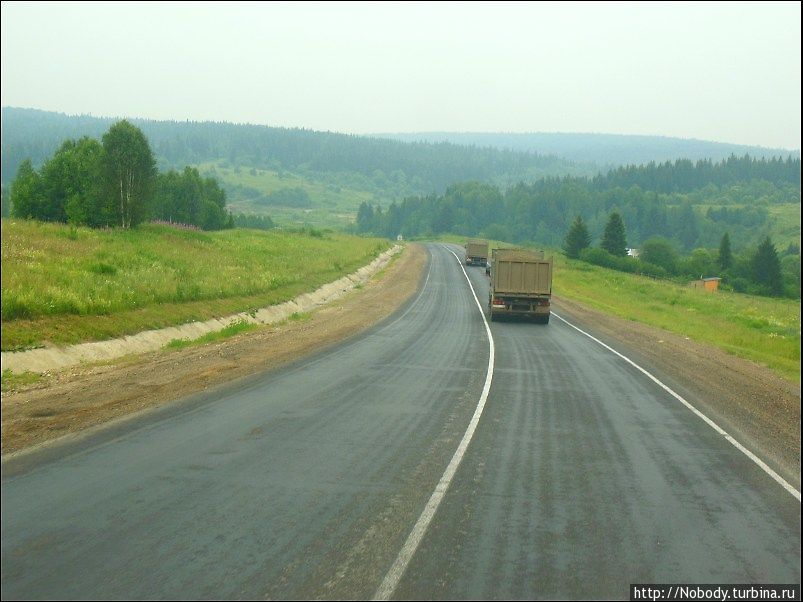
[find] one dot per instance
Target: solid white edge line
(394, 575)
(778, 478)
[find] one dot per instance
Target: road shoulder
(81, 398)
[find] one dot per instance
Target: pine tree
(725, 259)
(577, 239)
(766, 267)
(613, 240)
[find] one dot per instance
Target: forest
(689, 205)
(114, 182)
(604, 150)
(393, 168)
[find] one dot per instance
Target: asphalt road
(582, 477)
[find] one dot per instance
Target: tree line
(759, 271)
(740, 204)
(691, 223)
(683, 175)
(114, 182)
(600, 149)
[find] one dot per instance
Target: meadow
(331, 206)
(62, 284)
(785, 221)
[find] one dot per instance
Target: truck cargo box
(476, 252)
(521, 284)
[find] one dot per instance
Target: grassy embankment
(66, 285)
(761, 329)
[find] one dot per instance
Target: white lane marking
(394, 575)
(778, 478)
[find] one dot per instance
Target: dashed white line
(394, 575)
(778, 478)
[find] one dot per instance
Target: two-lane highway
(582, 477)
(585, 476)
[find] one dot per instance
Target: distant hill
(605, 150)
(394, 168)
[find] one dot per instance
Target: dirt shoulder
(82, 397)
(758, 408)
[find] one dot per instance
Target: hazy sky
(725, 71)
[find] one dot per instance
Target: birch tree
(130, 171)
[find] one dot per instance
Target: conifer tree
(725, 258)
(577, 239)
(766, 267)
(613, 240)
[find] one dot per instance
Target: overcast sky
(728, 72)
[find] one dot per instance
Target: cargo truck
(521, 284)
(476, 252)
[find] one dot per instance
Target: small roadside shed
(708, 284)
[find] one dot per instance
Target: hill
(388, 169)
(606, 150)
(321, 179)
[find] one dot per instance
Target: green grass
(267, 181)
(294, 217)
(65, 285)
(229, 331)
(782, 225)
(785, 224)
(761, 329)
(332, 206)
(12, 381)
